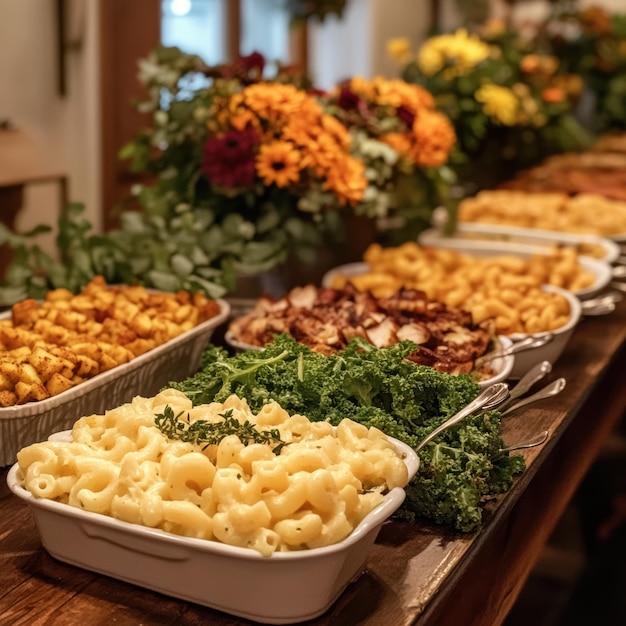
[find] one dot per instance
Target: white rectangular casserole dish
(533, 240)
(174, 360)
(284, 588)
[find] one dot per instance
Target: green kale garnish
(380, 388)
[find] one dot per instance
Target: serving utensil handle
(489, 398)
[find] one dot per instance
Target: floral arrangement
(592, 43)
(258, 161)
(507, 103)
(243, 175)
(405, 143)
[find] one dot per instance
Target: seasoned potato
(48, 347)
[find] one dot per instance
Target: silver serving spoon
(528, 343)
(537, 440)
(552, 389)
(600, 308)
(533, 375)
(601, 304)
(489, 398)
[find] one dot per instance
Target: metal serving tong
(490, 398)
(601, 304)
(528, 343)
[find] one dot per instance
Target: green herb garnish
(207, 433)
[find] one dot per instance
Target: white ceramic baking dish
(284, 588)
(523, 360)
(601, 271)
(174, 360)
(479, 236)
(552, 350)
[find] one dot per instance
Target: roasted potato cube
(27, 392)
(45, 363)
(57, 384)
(7, 398)
(24, 313)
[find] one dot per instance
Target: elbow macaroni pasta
(312, 494)
(505, 288)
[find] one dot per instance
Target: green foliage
(376, 388)
(527, 115)
(179, 254)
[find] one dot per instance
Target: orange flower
(271, 100)
(434, 138)
(553, 95)
(278, 163)
(398, 93)
(347, 180)
(400, 142)
(529, 63)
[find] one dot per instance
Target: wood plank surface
(416, 574)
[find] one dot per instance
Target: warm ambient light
(180, 7)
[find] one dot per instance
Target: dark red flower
(406, 115)
(348, 100)
(247, 68)
(229, 159)
(254, 61)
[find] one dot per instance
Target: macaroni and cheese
(312, 493)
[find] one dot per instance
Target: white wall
(64, 129)
(357, 43)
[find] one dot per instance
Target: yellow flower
(499, 103)
(278, 163)
(460, 50)
(399, 49)
(396, 93)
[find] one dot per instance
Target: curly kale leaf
(379, 388)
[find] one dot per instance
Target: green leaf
(164, 281)
(181, 265)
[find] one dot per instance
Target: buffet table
(416, 574)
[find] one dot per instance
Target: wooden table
(416, 574)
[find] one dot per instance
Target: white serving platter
(284, 588)
(479, 236)
(178, 358)
(600, 270)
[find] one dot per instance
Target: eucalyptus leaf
(181, 265)
(164, 281)
(209, 288)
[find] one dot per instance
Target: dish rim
(433, 236)
(37, 407)
(601, 271)
(391, 502)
